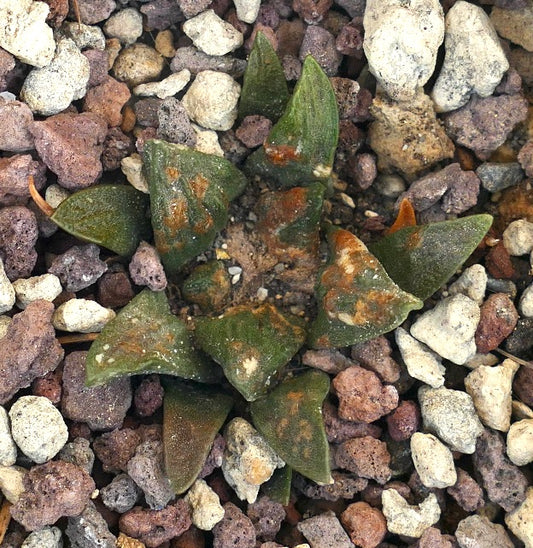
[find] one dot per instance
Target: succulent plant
(245, 351)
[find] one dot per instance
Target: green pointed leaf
(356, 298)
(145, 337)
(251, 344)
(264, 89)
(420, 259)
(113, 216)
(290, 419)
(278, 487)
(208, 286)
(300, 147)
(190, 194)
(192, 416)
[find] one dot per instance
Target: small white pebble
(8, 449)
(27, 290)
(38, 428)
(11, 482)
(47, 537)
(126, 25)
(211, 34)
(472, 283)
(370, 214)
(7, 293)
(433, 461)
(262, 294)
(232, 270)
(247, 10)
(518, 237)
(207, 141)
(520, 521)
(55, 194)
(235, 279)
(132, 167)
(5, 322)
(205, 505)
(168, 87)
(520, 442)
(81, 316)
(347, 200)
(525, 306)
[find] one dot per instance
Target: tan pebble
(164, 43)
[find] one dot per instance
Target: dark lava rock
(146, 269)
(267, 516)
(90, 530)
(174, 123)
(121, 495)
(148, 396)
(404, 421)
(339, 430)
(344, 486)
(320, 43)
(115, 448)
(466, 492)
(235, 530)
(375, 355)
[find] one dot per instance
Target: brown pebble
(523, 385)
(498, 262)
(107, 100)
(404, 421)
(433, 538)
(497, 321)
(375, 355)
(466, 492)
(366, 526)
(115, 448)
(253, 130)
(192, 538)
(48, 386)
(148, 397)
(114, 290)
(361, 395)
(366, 457)
(339, 430)
(235, 529)
(14, 173)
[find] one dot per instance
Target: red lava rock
(525, 157)
(349, 41)
(253, 130)
(404, 421)
(483, 124)
(153, 527)
(14, 173)
(328, 360)
(98, 65)
(352, 101)
(192, 538)
(107, 100)
(498, 262)
(190, 8)
(96, 10)
(117, 145)
(497, 321)
(146, 111)
(361, 395)
(114, 289)
(214, 459)
(504, 483)
(101, 407)
(15, 119)
(79, 267)
(344, 486)
(339, 430)
(366, 457)
(146, 268)
(161, 14)
(52, 490)
(29, 349)
(18, 235)
(148, 396)
(267, 516)
(433, 538)
(466, 492)
(523, 385)
(235, 530)
(320, 43)
(372, 493)
(7, 64)
(48, 386)
(311, 11)
(375, 355)
(366, 526)
(78, 430)
(462, 194)
(115, 448)
(58, 12)
(70, 145)
(174, 123)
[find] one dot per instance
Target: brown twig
(5, 518)
(77, 12)
(78, 338)
(515, 358)
(40, 202)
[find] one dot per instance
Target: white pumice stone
(27, 290)
(433, 461)
(38, 428)
(82, 316)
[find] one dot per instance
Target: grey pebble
(78, 452)
(121, 494)
(498, 176)
(324, 531)
(90, 530)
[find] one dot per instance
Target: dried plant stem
(515, 358)
(5, 518)
(77, 12)
(40, 202)
(78, 338)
